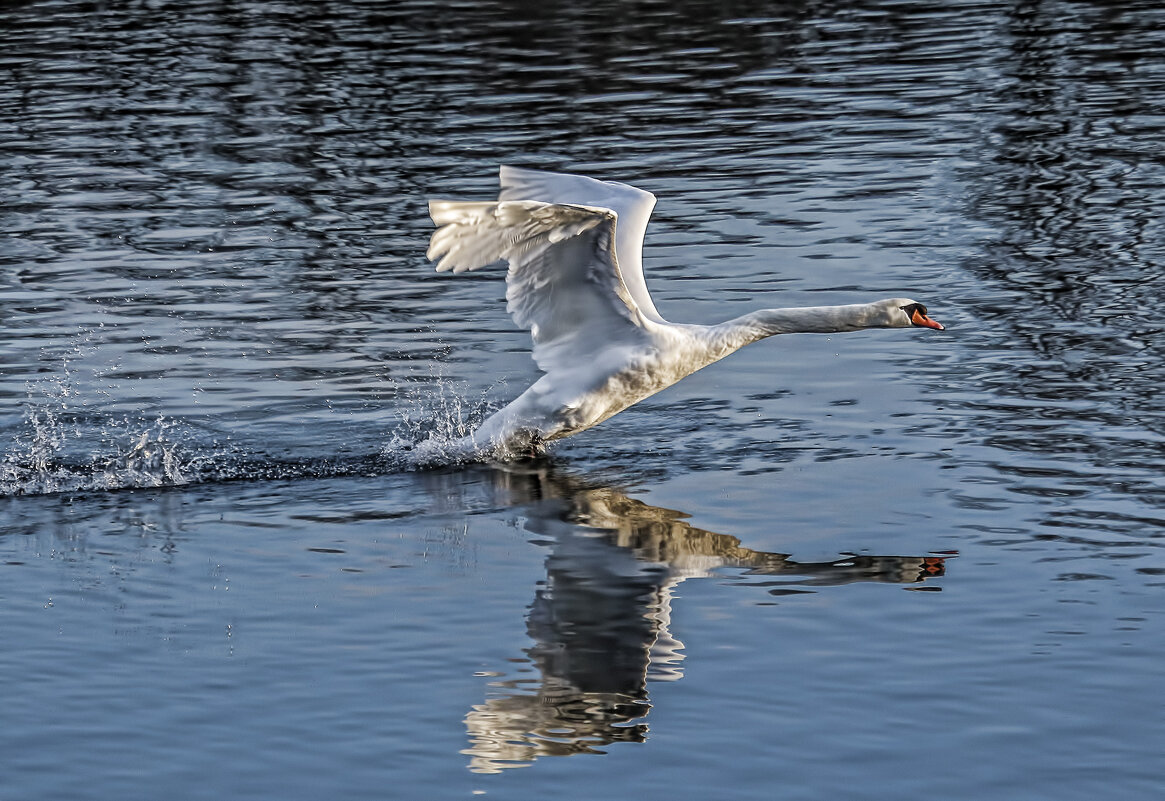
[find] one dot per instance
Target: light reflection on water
(599, 628)
(601, 621)
(212, 281)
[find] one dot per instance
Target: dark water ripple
(211, 220)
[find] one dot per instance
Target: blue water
(871, 565)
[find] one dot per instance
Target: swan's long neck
(808, 320)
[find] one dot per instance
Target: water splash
(132, 454)
(66, 444)
(439, 432)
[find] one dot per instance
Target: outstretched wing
(564, 282)
(633, 207)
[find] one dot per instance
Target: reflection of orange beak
(918, 318)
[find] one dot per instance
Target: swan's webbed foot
(522, 444)
(532, 450)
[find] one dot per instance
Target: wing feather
(564, 281)
(633, 207)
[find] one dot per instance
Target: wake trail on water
(56, 451)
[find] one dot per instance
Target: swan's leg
(521, 426)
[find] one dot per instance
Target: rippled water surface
(875, 565)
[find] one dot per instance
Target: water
(883, 564)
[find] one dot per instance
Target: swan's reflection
(601, 621)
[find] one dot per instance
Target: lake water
(878, 565)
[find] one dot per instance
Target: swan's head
(904, 313)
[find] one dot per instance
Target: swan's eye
(914, 311)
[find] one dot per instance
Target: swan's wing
(633, 207)
(564, 282)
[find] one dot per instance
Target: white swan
(574, 247)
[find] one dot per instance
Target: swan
(574, 247)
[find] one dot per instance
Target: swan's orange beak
(918, 318)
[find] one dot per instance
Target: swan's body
(574, 247)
